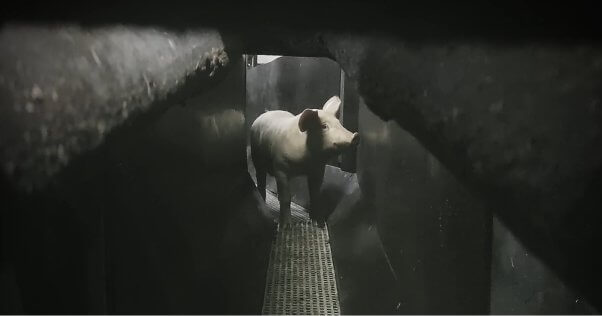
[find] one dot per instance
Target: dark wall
(161, 218)
(522, 284)
(517, 122)
(435, 235)
(366, 280)
(182, 186)
(446, 255)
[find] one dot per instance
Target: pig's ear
(309, 120)
(332, 105)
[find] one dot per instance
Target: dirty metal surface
(301, 277)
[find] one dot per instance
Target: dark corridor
(127, 185)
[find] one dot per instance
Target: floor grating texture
(301, 278)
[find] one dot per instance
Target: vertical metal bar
(349, 118)
(342, 110)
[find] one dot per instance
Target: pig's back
(273, 118)
(269, 132)
(271, 122)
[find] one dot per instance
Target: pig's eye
(324, 126)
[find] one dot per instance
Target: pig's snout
(350, 140)
(355, 139)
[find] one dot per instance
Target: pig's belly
(279, 159)
(291, 158)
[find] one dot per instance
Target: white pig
(285, 146)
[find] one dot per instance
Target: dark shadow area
(522, 284)
(155, 220)
(421, 20)
(367, 283)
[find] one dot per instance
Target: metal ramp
(301, 278)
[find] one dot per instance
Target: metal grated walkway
(301, 277)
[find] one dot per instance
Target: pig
(286, 146)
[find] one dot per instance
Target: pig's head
(325, 133)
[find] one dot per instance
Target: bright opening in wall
(264, 59)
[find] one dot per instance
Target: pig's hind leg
(260, 170)
(261, 175)
(284, 197)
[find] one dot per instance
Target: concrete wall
(185, 235)
(162, 217)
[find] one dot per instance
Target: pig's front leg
(315, 178)
(284, 197)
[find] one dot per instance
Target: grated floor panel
(298, 212)
(301, 278)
